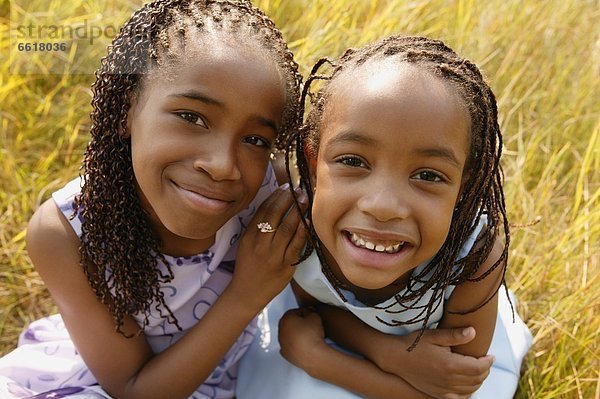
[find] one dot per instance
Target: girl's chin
(368, 283)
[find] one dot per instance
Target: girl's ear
(131, 114)
(312, 166)
(311, 157)
(127, 133)
(463, 184)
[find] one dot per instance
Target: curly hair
(119, 249)
(482, 193)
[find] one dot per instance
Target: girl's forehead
(391, 99)
(389, 81)
(214, 62)
(223, 76)
(376, 75)
(210, 46)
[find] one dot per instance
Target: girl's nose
(219, 161)
(386, 203)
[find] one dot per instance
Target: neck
(186, 247)
(174, 245)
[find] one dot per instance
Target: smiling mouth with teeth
(361, 242)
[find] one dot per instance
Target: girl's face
(201, 134)
(394, 141)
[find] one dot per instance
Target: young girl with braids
(139, 255)
(400, 156)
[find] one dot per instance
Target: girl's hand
(301, 337)
(265, 260)
(432, 367)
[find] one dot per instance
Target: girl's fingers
(272, 211)
(462, 383)
(469, 384)
(478, 366)
(279, 227)
(296, 245)
(288, 219)
(463, 391)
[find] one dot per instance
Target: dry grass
(542, 59)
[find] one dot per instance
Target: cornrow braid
(119, 249)
(482, 193)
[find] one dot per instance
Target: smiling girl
(401, 159)
(140, 253)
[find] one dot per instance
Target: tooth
(361, 242)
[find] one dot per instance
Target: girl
(403, 138)
(139, 255)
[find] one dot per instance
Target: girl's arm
(302, 341)
(126, 367)
(468, 296)
(431, 368)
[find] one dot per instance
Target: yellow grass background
(542, 58)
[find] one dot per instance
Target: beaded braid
(482, 193)
(119, 249)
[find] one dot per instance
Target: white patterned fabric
(263, 361)
(46, 364)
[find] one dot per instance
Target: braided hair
(482, 192)
(119, 249)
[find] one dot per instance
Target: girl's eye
(352, 161)
(257, 141)
(430, 176)
(193, 118)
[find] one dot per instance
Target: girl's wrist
(243, 304)
(315, 359)
(389, 353)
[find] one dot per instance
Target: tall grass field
(542, 59)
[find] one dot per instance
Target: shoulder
(50, 235)
(484, 282)
(53, 247)
(475, 303)
(310, 283)
(492, 258)
(309, 274)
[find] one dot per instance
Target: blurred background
(541, 58)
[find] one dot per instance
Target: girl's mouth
(390, 247)
(205, 202)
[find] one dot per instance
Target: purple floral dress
(46, 364)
